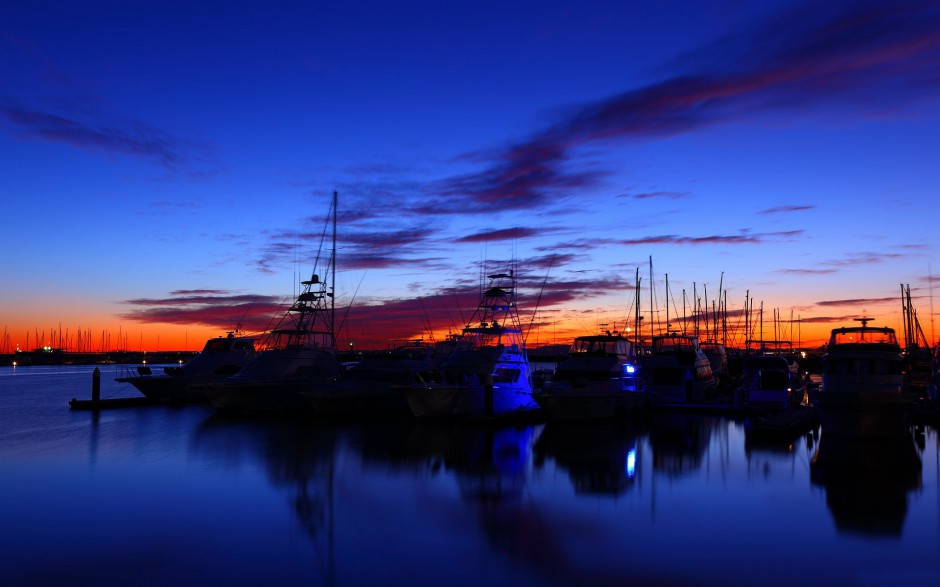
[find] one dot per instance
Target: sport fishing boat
(600, 378)
(371, 385)
(864, 385)
(677, 372)
(488, 372)
(220, 357)
(297, 356)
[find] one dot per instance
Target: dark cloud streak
(129, 137)
(805, 57)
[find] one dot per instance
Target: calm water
(159, 496)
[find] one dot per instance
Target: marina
(177, 494)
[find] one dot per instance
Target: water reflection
(601, 458)
(679, 442)
(867, 482)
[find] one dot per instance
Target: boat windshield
(600, 346)
(881, 336)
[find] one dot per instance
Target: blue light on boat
(631, 463)
(629, 368)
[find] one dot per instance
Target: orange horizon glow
(365, 335)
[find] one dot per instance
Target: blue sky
(166, 166)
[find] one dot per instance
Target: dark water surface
(172, 496)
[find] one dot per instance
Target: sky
(166, 168)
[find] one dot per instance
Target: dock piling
(96, 385)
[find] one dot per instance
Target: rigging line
(535, 312)
(349, 307)
(427, 319)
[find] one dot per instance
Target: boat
(770, 378)
(677, 372)
(298, 355)
(371, 385)
(864, 386)
(487, 374)
(221, 356)
(600, 378)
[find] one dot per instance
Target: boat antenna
(333, 278)
(538, 301)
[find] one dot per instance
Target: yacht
(220, 357)
(677, 372)
(600, 378)
(487, 374)
(864, 385)
(299, 355)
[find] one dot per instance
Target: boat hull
(358, 397)
(475, 401)
(588, 407)
(170, 389)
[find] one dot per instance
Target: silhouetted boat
(299, 354)
(864, 391)
(600, 378)
(371, 386)
(488, 373)
(677, 372)
(770, 379)
(220, 357)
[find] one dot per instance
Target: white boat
(220, 357)
(600, 378)
(864, 386)
(488, 373)
(677, 372)
(298, 355)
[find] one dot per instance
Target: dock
(114, 402)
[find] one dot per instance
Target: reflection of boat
(863, 392)
(677, 372)
(679, 442)
(299, 353)
(599, 379)
(220, 357)
(601, 458)
(488, 372)
(867, 481)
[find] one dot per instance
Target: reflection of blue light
(631, 463)
(629, 368)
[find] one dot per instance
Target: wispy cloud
(733, 239)
(857, 302)
(504, 234)
(807, 271)
(217, 308)
(125, 137)
(658, 195)
(851, 53)
(864, 258)
(786, 209)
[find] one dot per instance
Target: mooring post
(96, 385)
